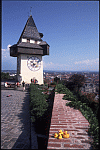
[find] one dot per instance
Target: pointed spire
(30, 30)
(30, 22)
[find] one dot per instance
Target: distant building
(96, 98)
(88, 88)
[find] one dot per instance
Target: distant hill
(10, 71)
(52, 71)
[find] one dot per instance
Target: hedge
(38, 104)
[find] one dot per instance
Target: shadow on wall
(45, 127)
(23, 141)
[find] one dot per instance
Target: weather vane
(28, 14)
(30, 11)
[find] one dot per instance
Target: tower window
(32, 41)
(38, 42)
(24, 40)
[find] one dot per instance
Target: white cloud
(8, 47)
(55, 66)
(3, 50)
(88, 62)
(6, 53)
(8, 62)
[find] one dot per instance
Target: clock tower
(29, 51)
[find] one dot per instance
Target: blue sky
(71, 28)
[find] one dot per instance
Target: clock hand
(33, 64)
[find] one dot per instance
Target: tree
(77, 80)
(69, 85)
(5, 75)
(56, 79)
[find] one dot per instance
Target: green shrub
(38, 104)
(92, 104)
(60, 88)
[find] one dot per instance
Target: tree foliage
(77, 80)
(56, 79)
(5, 75)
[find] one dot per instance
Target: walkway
(15, 120)
(71, 120)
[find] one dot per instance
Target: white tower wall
(27, 74)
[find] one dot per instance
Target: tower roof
(26, 45)
(30, 30)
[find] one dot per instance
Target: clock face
(34, 63)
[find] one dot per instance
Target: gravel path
(15, 120)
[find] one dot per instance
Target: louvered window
(32, 41)
(24, 40)
(38, 42)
